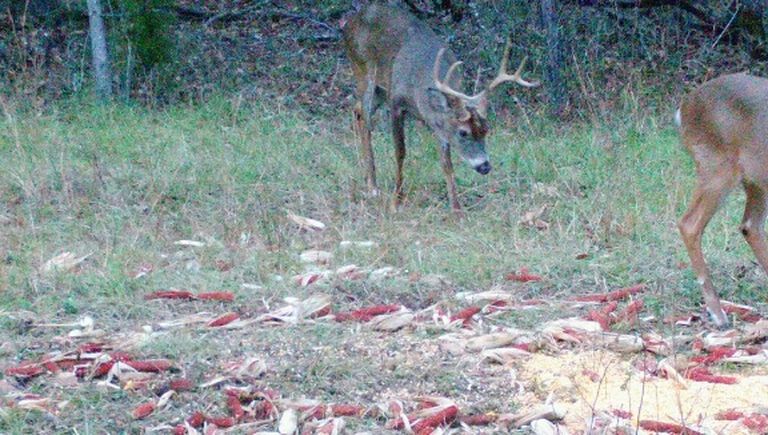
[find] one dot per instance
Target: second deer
(398, 60)
(724, 125)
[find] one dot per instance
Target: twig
(640, 406)
(312, 20)
(727, 26)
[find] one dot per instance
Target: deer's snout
(483, 168)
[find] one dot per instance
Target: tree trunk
(100, 60)
(555, 59)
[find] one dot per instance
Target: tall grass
(123, 183)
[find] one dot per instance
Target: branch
(191, 13)
(312, 20)
(696, 12)
(229, 15)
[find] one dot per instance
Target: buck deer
(724, 125)
(399, 60)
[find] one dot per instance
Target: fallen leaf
(316, 256)
(758, 358)
(621, 343)
(546, 427)
(310, 278)
(192, 243)
(185, 321)
(306, 223)
(254, 367)
(345, 244)
(533, 219)
(548, 412)
(64, 262)
(143, 270)
(382, 273)
(163, 401)
(504, 355)
(289, 422)
(392, 322)
(493, 340)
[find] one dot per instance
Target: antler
(444, 87)
(480, 100)
(503, 76)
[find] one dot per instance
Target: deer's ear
(437, 100)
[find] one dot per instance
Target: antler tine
(505, 56)
(503, 76)
(450, 71)
(444, 87)
(436, 66)
(519, 79)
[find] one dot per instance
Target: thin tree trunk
(555, 59)
(101, 70)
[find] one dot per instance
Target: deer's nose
(483, 168)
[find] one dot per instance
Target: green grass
(123, 183)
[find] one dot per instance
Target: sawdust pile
(587, 382)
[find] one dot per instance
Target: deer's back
(727, 119)
(387, 38)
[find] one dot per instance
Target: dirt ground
(321, 363)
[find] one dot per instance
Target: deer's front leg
(369, 101)
(445, 162)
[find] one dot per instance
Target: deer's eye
(463, 133)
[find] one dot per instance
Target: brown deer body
(398, 60)
(724, 125)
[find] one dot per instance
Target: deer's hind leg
(752, 225)
(715, 181)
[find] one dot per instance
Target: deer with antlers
(398, 60)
